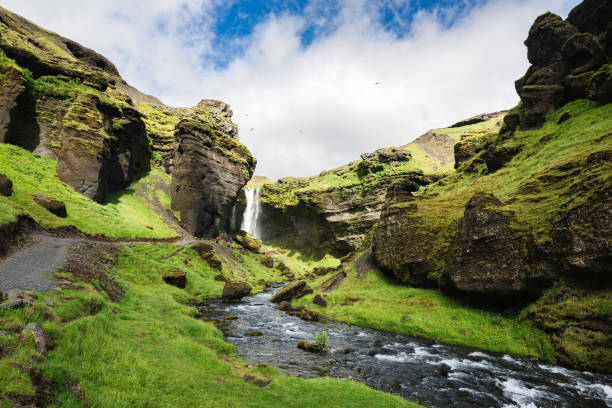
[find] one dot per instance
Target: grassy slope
(548, 160)
(348, 177)
(126, 215)
(374, 301)
(148, 350)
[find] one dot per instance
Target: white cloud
(319, 107)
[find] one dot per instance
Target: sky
(312, 83)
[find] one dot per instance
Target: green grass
(149, 350)
(126, 215)
(374, 301)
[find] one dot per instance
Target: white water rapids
(251, 212)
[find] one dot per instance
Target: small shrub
(322, 341)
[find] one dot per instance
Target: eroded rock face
(568, 63)
(337, 219)
(101, 148)
(489, 259)
(403, 244)
(210, 168)
(12, 87)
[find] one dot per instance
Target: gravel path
(31, 267)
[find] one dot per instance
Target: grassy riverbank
(370, 299)
(147, 349)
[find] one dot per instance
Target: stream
(419, 370)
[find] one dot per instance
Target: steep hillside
(529, 210)
(67, 103)
(337, 208)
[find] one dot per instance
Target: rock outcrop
(53, 205)
(568, 63)
(291, 291)
(337, 209)
(210, 168)
(6, 186)
(66, 102)
(489, 260)
(234, 290)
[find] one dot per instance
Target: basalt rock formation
(210, 168)
(570, 60)
(337, 209)
(66, 102)
(527, 214)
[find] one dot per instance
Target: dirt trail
(31, 267)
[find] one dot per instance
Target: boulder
(319, 301)
(333, 282)
(207, 253)
(39, 337)
(14, 304)
(292, 291)
(234, 290)
(309, 346)
(285, 306)
(248, 242)
(53, 205)
(175, 277)
(6, 186)
(489, 261)
(323, 270)
(496, 157)
(267, 261)
(210, 169)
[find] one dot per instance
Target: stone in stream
(292, 291)
(6, 186)
(175, 277)
(309, 346)
(234, 290)
(53, 205)
(39, 336)
(254, 333)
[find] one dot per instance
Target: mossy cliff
(527, 210)
(339, 207)
(63, 101)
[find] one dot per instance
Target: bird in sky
(378, 83)
(252, 129)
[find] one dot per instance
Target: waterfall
(251, 212)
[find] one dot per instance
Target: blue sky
(318, 82)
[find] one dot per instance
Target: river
(419, 370)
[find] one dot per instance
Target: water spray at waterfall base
(251, 212)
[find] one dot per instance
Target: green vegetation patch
(126, 215)
(372, 300)
(148, 349)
